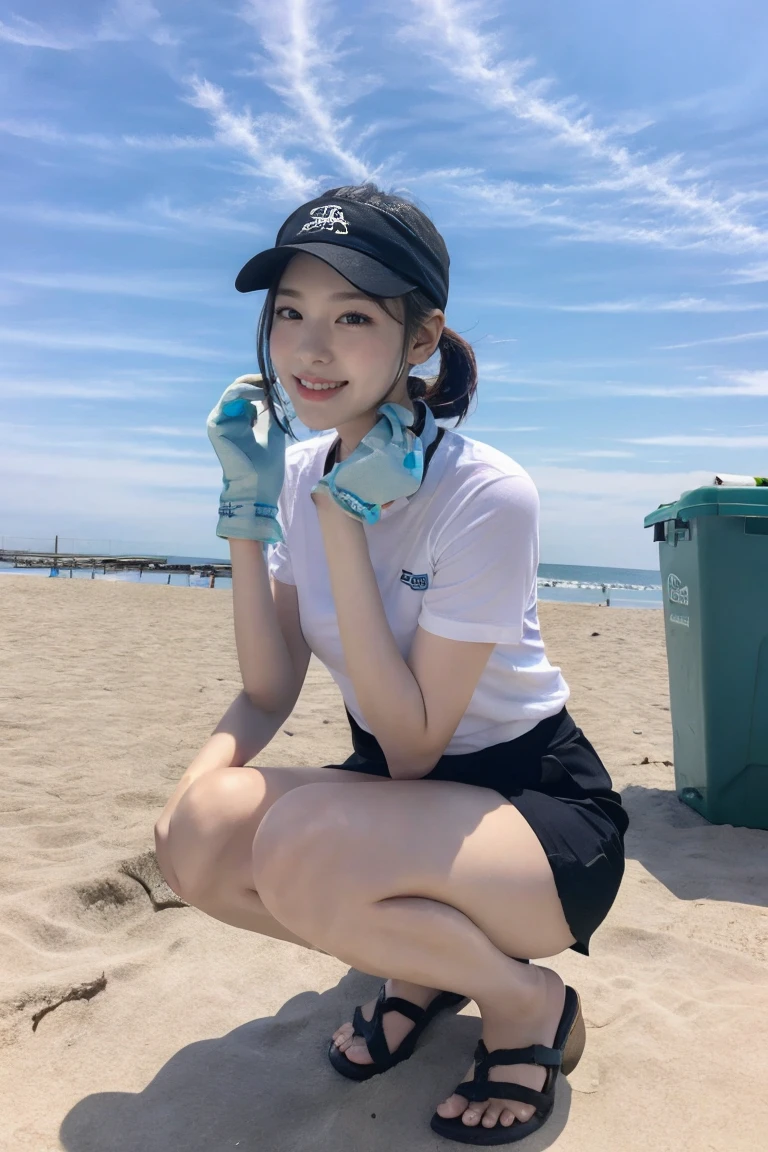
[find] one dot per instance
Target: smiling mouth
(318, 391)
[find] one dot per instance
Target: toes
(343, 1035)
(357, 1052)
(487, 1113)
(523, 1112)
(491, 1115)
(474, 1113)
(452, 1107)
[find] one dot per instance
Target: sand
(167, 1030)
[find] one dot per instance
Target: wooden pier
(140, 564)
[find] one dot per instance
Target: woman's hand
(388, 463)
(252, 461)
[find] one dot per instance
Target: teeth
(321, 387)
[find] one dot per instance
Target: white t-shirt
(458, 558)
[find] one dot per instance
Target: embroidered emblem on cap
(327, 216)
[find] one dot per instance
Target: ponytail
(449, 393)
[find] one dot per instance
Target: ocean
(574, 583)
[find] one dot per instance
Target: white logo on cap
(327, 216)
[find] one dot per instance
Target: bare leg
(211, 839)
(449, 882)
(210, 846)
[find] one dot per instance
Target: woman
(404, 556)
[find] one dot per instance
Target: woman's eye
(357, 315)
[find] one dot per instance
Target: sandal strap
(533, 1054)
(372, 1031)
(481, 1088)
(397, 1004)
(501, 1090)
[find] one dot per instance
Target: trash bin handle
(671, 532)
(681, 530)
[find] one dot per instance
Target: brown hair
(449, 393)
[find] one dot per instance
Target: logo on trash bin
(676, 590)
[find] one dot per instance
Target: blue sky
(598, 171)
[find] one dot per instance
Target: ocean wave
(548, 582)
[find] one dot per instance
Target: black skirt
(553, 775)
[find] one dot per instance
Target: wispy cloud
(734, 383)
(680, 304)
(43, 133)
(245, 133)
(470, 428)
(125, 20)
(107, 385)
(112, 470)
(156, 217)
(681, 441)
(79, 218)
(98, 440)
(107, 342)
(300, 60)
(751, 274)
(163, 430)
(740, 338)
(217, 217)
(604, 454)
(624, 487)
(449, 32)
(149, 286)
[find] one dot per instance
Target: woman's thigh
(211, 833)
(323, 850)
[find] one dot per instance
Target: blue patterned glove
(387, 463)
(252, 462)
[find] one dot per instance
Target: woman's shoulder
(474, 465)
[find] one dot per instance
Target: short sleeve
(279, 557)
(279, 562)
(486, 560)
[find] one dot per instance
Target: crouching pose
(474, 829)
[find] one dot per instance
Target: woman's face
(319, 336)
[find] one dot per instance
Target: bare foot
(513, 1028)
(396, 1026)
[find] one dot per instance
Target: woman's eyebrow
(333, 296)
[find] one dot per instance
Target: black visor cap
(367, 245)
(364, 272)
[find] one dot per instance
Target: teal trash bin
(713, 548)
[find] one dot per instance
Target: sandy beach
(167, 1030)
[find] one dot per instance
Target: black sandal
(566, 1053)
(372, 1032)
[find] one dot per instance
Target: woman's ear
(427, 339)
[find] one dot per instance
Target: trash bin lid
(714, 500)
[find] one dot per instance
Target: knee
(198, 832)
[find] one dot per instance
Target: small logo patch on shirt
(418, 583)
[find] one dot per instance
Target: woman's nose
(313, 344)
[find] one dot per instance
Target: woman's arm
(241, 734)
(271, 649)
